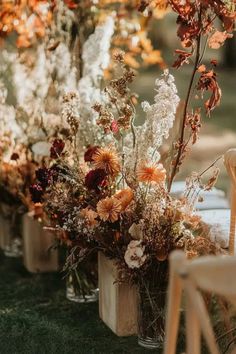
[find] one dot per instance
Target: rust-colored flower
(151, 173)
(107, 159)
(109, 209)
(125, 197)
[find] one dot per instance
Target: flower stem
(181, 140)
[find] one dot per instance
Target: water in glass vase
(10, 231)
(82, 282)
(151, 311)
(11, 244)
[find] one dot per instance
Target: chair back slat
(230, 164)
(214, 274)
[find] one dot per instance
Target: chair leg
(232, 222)
(200, 311)
(173, 304)
(193, 334)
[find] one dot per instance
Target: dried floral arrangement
(113, 196)
(118, 199)
(110, 192)
(103, 182)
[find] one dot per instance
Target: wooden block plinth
(117, 302)
(38, 257)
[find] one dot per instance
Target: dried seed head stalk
(70, 111)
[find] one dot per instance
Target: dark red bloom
(15, 156)
(36, 192)
(44, 176)
(95, 179)
(88, 155)
(57, 148)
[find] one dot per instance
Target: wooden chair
(214, 274)
(230, 164)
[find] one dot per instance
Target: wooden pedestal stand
(117, 302)
(38, 257)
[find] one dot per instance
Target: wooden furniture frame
(230, 164)
(214, 274)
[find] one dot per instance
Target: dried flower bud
(119, 56)
(70, 110)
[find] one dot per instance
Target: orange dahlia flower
(151, 173)
(107, 159)
(125, 196)
(109, 209)
(90, 216)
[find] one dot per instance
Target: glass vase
(151, 311)
(82, 283)
(11, 241)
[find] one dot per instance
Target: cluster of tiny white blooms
(95, 53)
(8, 123)
(96, 58)
(32, 83)
(3, 93)
(61, 26)
(61, 62)
(160, 115)
(89, 94)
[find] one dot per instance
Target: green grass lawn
(36, 318)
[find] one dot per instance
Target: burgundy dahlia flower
(95, 178)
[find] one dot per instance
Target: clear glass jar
(11, 241)
(151, 310)
(82, 283)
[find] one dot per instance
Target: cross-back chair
(230, 164)
(215, 274)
